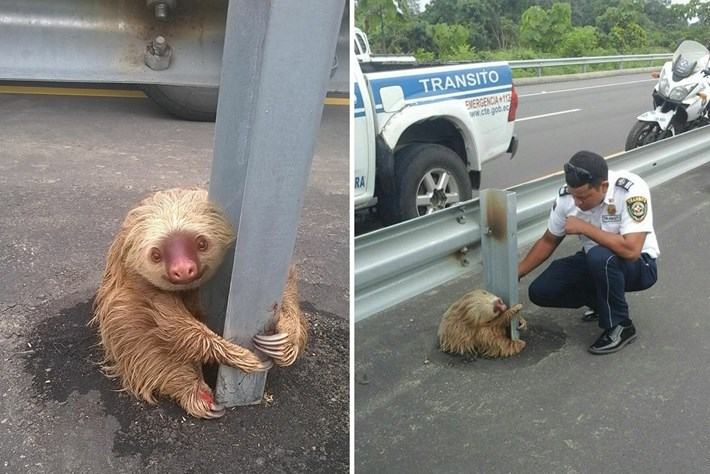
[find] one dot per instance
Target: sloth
(478, 323)
(147, 308)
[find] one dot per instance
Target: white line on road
(547, 115)
(588, 87)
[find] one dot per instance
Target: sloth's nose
(183, 271)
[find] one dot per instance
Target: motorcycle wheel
(642, 134)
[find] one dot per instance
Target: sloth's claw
(271, 353)
(271, 340)
(273, 346)
(216, 411)
(264, 365)
(277, 346)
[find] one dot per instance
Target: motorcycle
(680, 98)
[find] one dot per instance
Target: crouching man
(611, 213)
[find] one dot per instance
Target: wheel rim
(436, 190)
(649, 134)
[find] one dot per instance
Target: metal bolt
(489, 231)
(462, 256)
(160, 45)
(162, 8)
(161, 11)
(158, 54)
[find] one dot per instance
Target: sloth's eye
(202, 244)
(155, 255)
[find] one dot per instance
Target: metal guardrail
(399, 262)
(105, 41)
(585, 61)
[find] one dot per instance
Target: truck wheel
(188, 103)
(429, 178)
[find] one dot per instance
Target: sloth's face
(181, 261)
(177, 239)
(486, 306)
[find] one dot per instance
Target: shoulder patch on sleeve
(637, 207)
(624, 183)
(563, 191)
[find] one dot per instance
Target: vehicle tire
(428, 177)
(189, 103)
(641, 134)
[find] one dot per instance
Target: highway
(556, 120)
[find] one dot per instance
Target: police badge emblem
(637, 207)
(611, 209)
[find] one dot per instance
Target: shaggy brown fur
(147, 308)
(478, 323)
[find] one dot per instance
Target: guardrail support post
(499, 247)
(270, 105)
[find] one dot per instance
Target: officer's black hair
(591, 162)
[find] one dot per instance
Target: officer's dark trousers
(598, 279)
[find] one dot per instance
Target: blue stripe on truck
(359, 106)
(428, 86)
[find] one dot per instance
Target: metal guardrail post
(499, 247)
(275, 70)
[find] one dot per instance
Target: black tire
(189, 103)
(412, 165)
(641, 134)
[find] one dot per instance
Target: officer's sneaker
(590, 315)
(613, 339)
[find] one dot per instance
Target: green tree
(489, 27)
(579, 42)
(544, 30)
(383, 21)
(626, 39)
(533, 26)
(450, 41)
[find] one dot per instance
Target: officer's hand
(574, 225)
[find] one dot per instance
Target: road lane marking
(126, 94)
(72, 91)
(586, 88)
(547, 115)
(337, 101)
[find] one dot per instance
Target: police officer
(611, 214)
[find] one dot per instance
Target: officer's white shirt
(626, 209)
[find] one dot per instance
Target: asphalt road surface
(558, 119)
(70, 167)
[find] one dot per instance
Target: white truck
(423, 134)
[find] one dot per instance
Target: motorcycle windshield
(689, 58)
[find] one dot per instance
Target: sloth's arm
(291, 328)
(190, 339)
(508, 315)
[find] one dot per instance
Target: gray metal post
(275, 70)
(499, 246)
